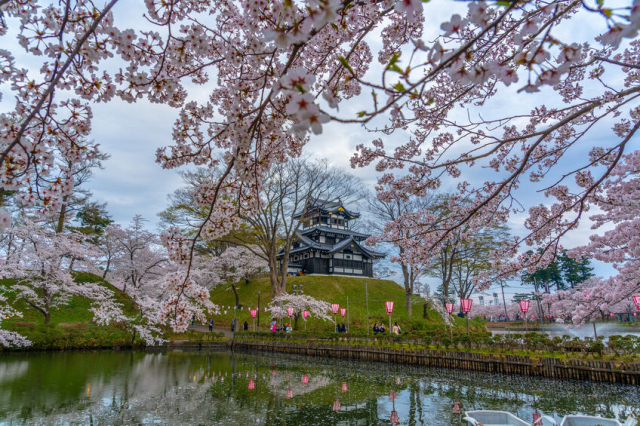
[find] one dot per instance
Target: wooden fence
(600, 371)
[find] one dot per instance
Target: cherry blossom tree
(299, 302)
(281, 67)
(618, 198)
(10, 338)
(137, 255)
(39, 264)
(230, 268)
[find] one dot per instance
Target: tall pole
(595, 333)
(535, 284)
(259, 310)
(347, 313)
(506, 315)
(366, 292)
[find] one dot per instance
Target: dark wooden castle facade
(326, 246)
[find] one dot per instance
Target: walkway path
(205, 329)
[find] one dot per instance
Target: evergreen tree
(574, 271)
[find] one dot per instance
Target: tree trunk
(425, 311)
(235, 292)
(63, 213)
(47, 317)
(407, 276)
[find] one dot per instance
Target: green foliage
(564, 272)
(71, 336)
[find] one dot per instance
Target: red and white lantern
(305, 314)
(636, 300)
(335, 308)
(252, 385)
(524, 306)
(389, 307)
(289, 393)
(343, 311)
(290, 311)
(344, 387)
(336, 405)
(395, 419)
(449, 307)
(392, 396)
(253, 312)
(305, 380)
(466, 305)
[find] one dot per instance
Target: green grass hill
(70, 325)
(332, 290)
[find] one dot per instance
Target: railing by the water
(601, 371)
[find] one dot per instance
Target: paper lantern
(265, 309)
(389, 307)
(449, 307)
(343, 312)
(344, 387)
(336, 405)
(395, 419)
(253, 312)
(290, 311)
(636, 300)
(225, 312)
(289, 393)
(392, 396)
(305, 314)
(610, 314)
(524, 306)
(305, 380)
(466, 305)
(252, 385)
(335, 307)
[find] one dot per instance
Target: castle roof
(308, 243)
(326, 207)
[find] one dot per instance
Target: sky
(133, 183)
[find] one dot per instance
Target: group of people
(395, 329)
(341, 328)
(275, 327)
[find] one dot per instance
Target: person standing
(211, 324)
(246, 326)
(233, 326)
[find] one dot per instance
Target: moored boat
(504, 418)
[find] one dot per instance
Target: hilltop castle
(326, 246)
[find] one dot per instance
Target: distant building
(326, 246)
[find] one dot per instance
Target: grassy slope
(70, 325)
(332, 290)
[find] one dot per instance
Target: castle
(326, 246)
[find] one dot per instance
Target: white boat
(501, 418)
(504, 418)
(594, 421)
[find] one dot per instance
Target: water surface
(223, 388)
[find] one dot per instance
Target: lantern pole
(504, 302)
(258, 309)
(366, 295)
(347, 314)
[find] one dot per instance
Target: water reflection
(239, 389)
